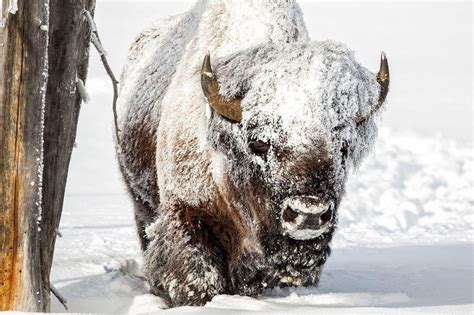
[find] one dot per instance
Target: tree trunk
(44, 52)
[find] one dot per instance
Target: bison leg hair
(249, 274)
(144, 215)
(185, 260)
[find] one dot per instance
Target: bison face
(298, 173)
(303, 176)
(289, 122)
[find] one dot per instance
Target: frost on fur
(225, 207)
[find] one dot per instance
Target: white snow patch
(82, 90)
(12, 6)
(414, 190)
(218, 168)
(146, 303)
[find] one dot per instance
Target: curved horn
(230, 109)
(383, 78)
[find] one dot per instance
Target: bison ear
(228, 108)
(383, 78)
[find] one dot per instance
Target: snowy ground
(405, 237)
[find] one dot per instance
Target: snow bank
(414, 190)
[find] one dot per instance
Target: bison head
(294, 119)
(288, 123)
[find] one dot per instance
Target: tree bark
(45, 50)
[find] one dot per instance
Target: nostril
(289, 215)
(325, 217)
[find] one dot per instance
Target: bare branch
(95, 39)
(89, 18)
(59, 296)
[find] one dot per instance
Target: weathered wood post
(44, 54)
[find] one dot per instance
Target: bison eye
(259, 147)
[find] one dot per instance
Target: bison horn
(383, 78)
(230, 109)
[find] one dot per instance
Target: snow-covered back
(219, 26)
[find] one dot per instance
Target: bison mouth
(289, 258)
(293, 262)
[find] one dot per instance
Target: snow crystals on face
(303, 92)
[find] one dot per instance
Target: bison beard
(237, 166)
(288, 262)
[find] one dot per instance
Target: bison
(237, 164)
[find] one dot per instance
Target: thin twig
(59, 296)
(95, 39)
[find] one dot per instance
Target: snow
(404, 242)
(12, 6)
(415, 188)
(82, 90)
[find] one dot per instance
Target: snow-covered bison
(237, 164)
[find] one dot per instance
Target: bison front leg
(186, 261)
(249, 274)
